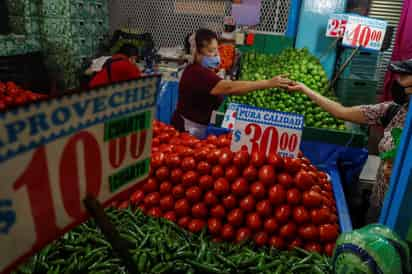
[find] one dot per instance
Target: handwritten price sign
(266, 131)
(336, 25)
(364, 32)
(54, 154)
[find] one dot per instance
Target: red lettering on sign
(117, 151)
(257, 133)
(137, 144)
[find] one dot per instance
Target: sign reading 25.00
(266, 131)
(54, 154)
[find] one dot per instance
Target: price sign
(267, 131)
(230, 116)
(364, 32)
(53, 154)
(336, 25)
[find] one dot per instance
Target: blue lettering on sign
(99, 104)
(81, 107)
(238, 135)
(61, 116)
(113, 102)
(7, 216)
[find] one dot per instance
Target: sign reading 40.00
(266, 131)
(54, 154)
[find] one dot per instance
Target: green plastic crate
(353, 92)
(268, 43)
(364, 65)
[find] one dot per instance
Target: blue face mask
(211, 62)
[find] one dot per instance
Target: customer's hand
(280, 81)
(387, 170)
(297, 86)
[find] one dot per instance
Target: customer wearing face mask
(201, 90)
(390, 115)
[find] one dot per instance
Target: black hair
(204, 37)
(187, 43)
(129, 50)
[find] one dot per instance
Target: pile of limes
(300, 66)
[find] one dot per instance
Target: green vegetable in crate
(371, 250)
(299, 65)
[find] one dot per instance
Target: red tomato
(200, 154)
(248, 203)
(212, 139)
(275, 160)
(196, 225)
(321, 216)
(243, 234)
(223, 141)
(203, 168)
(270, 225)
(206, 182)
(218, 211)
(166, 148)
(267, 175)
(165, 188)
(253, 221)
(285, 180)
(162, 173)
(152, 199)
(178, 191)
(277, 194)
(309, 232)
(158, 159)
(217, 172)
(241, 158)
(261, 238)
(182, 207)
(228, 232)
(170, 215)
(184, 221)
(303, 180)
(214, 225)
(124, 205)
(221, 187)
(232, 173)
(328, 233)
(229, 201)
(328, 248)
(300, 215)
(150, 185)
(172, 160)
(194, 194)
(213, 157)
(288, 230)
(142, 208)
(189, 178)
(295, 243)
(292, 165)
(235, 217)
(283, 213)
(188, 163)
(293, 196)
(311, 199)
(176, 175)
(322, 175)
(240, 187)
(258, 190)
(277, 242)
(250, 173)
(226, 158)
(199, 210)
(257, 159)
(166, 203)
(155, 212)
(264, 208)
(313, 247)
(210, 199)
(137, 197)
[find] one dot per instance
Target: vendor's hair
(203, 37)
(129, 50)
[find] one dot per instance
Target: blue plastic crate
(167, 101)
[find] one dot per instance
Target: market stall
(97, 180)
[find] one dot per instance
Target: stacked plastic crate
(358, 84)
(72, 31)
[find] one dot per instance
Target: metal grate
(170, 21)
(389, 10)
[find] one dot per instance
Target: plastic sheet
(167, 100)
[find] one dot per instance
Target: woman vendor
(201, 90)
(390, 115)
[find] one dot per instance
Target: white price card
(267, 131)
(229, 119)
(336, 25)
(364, 32)
(55, 153)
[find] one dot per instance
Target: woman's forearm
(226, 87)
